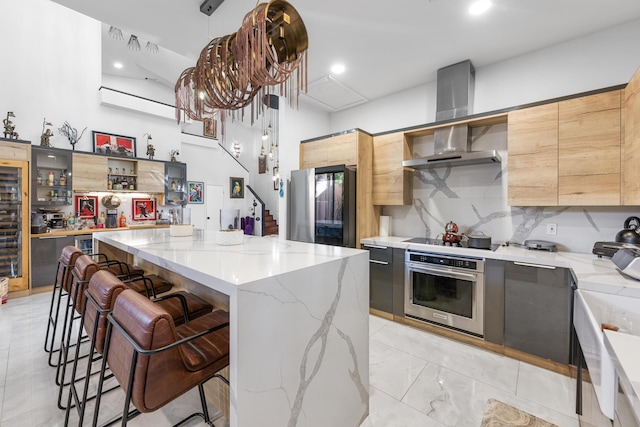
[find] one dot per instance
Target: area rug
(498, 414)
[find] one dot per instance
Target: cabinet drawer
(381, 254)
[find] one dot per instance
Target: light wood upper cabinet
(533, 156)
(313, 154)
(392, 183)
(343, 149)
(589, 150)
(334, 150)
(566, 153)
(630, 152)
(89, 172)
(150, 176)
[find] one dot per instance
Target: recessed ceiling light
(118, 65)
(479, 7)
(338, 69)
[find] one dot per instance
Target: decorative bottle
(63, 179)
(122, 221)
(50, 179)
(173, 185)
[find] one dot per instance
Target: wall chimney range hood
(454, 99)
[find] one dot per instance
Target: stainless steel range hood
(454, 99)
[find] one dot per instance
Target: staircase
(270, 224)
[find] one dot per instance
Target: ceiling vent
(332, 95)
(209, 6)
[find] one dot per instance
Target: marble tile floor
(417, 380)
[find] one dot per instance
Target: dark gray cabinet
(537, 304)
(380, 277)
(386, 278)
(45, 252)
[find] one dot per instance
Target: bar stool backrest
(84, 269)
(67, 261)
(103, 290)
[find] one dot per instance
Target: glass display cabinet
(175, 183)
(50, 177)
(14, 237)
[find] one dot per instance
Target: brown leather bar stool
(155, 361)
(102, 290)
(85, 267)
(66, 262)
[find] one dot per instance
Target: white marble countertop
(591, 273)
(624, 349)
(202, 259)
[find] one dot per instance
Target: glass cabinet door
(175, 183)
(50, 177)
(14, 241)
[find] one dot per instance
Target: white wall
(598, 60)
(55, 72)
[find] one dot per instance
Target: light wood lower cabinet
(589, 150)
(533, 156)
(392, 184)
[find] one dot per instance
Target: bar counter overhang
(299, 347)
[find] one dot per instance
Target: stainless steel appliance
(112, 218)
(447, 290)
(322, 206)
(609, 249)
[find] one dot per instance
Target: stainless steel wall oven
(447, 290)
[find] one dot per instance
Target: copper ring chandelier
(269, 47)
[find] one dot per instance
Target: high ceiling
(386, 47)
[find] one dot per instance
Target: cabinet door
(631, 142)
(313, 154)
(89, 172)
(175, 190)
(392, 184)
(537, 305)
(589, 150)
(380, 278)
(342, 149)
(150, 176)
(45, 252)
(533, 156)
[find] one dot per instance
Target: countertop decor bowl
(230, 237)
(180, 230)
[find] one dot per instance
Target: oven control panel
(456, 262)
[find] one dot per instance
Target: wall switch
(552, 228)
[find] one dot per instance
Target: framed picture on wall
(143, 209)
(236, 188)
(87, 206)
(276, 184)
(113, 145)
(209, 128)
(195, 194)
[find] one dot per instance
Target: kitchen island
(299, 346)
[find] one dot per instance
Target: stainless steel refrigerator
(322, 206)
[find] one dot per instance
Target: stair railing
(257, 204)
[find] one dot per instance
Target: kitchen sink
(591, 310)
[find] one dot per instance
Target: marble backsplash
(475, 198)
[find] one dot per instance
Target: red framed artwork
(113, 145)
(87, 206)
(143, 209)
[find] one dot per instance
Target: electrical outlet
(552, 228)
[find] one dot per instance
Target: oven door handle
(444, 272)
